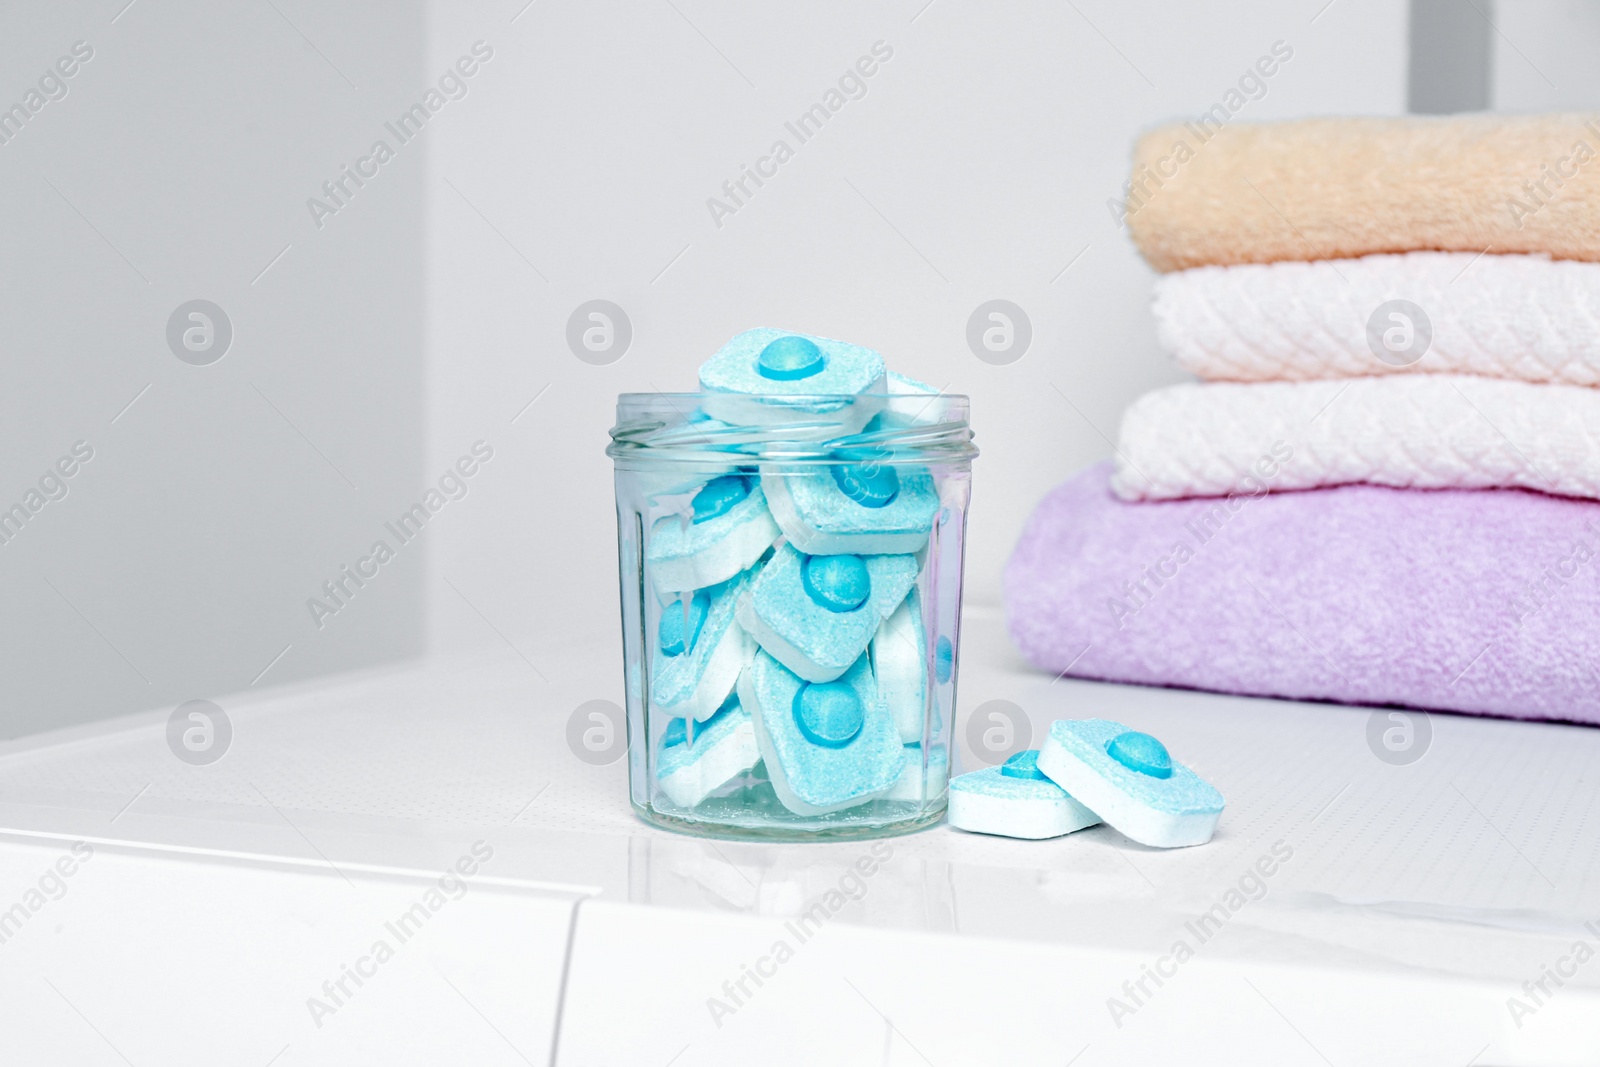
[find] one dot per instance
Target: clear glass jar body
(791, 577)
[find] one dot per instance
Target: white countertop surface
(1417, 900)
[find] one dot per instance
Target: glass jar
(791, 573)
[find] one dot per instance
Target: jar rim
(899, 428)
(698, 395)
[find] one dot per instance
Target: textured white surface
(920, 783)
(986, 802)
(814, 779)
(819, 520)
(1411, 431)
(1445, 883)
(1132, 814)
(899, 653)
(684, 555)
(678, 691)
(1521, 317)
(715, 763)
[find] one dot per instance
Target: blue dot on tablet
(720, 495)
(677, 633)
(789, 359)
(872, 485)
(677, 733)
(944, 659)
(1142, 753)
(836, 583)
(1024, 764)
(828, 714)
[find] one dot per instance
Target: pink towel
(1481, 601)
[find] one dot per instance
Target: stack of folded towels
(1386, 489)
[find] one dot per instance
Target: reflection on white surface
(395, 768)
(1405, 872)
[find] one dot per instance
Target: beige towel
(1207, 193)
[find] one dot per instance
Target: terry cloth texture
(1463, 600)
(1338, 188)
(1522, 317)
(1421, 431)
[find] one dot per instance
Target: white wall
(977, 166)
(177, 166)
(1545, 55)
(577, 166)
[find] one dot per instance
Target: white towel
(1423, 431)
(1515, 316)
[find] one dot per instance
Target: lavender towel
(1483, 601)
